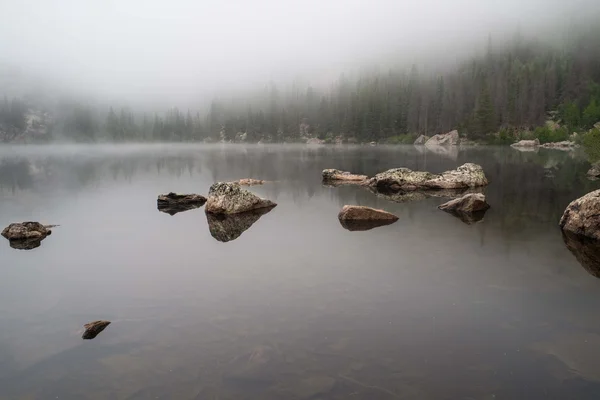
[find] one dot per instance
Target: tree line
(510, 88)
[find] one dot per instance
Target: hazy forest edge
(521, 90)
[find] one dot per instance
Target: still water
(292, 305)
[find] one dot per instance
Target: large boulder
(403, 179)
(526, 143)
(582, 216)
(26, 235)
(421, 140)
(228, 227)
(231, 198)
(173, 203)
(360, 218)
(331, 175)
(444, 139)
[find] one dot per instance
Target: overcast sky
(182, 49)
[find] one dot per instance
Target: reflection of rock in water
(468, 218)
(94, 328)
(364, 225)
(174, 209)
(404, 197)
(26, 244)
(227, 227)
(585, 250)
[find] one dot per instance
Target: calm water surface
(290, 305)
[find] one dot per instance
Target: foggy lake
(292, 305)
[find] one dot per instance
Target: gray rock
(94, 328)
(582, 216)
(526, 143)
(564, 145)
(249, 182)
(444, 139)
(403, 179)
(469, 208)
(173, 203)
(331, 175)
(26, 235)
(228, 227)
(594, 171)
(421, 140)
(231, 198)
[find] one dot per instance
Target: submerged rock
(469, 208)
(228, 227)
(332, 175)
(26, 235)
(403, 179)
(444, 139)
(94, 328)
(421, 140)
(172, 203)
(594, 171)
(585, 250)
(526, 143)
(582, 216)
(231, 198)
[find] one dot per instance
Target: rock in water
(421, 140)
(250, 182)
(26, 235)
(403, 179)
(594, 171)
(585, 250)
(526, 143)
(360, 218)
(332, 175)
(469, 208)
(94, 328)
(228, 227)
(582, 216)
(444, 139)
(468, 203)
(172, 203)
(231, 198)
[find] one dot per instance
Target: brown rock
(250, 182)
(26, 235)
(582, 216)
(468, 203)
(94, 328)
(360, 218)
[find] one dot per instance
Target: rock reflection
(26, 244)
(228, 227)
(418, 195)
(364, 225)
(172, 210)
(468, 218)
(585, 250)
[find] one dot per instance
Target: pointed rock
(231, 198)
(468, 203)
(94, 328)
(444, 139)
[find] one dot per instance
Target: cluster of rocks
(535, 143)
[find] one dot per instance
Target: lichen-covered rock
(228, 227)
(594, 171)
(26, 230)
(231, 198)
(582, 216)
(444, 139)
(403, 179)
(421, 140)
(526, 143)
(94, 328)
(361, 213)
(173, 203)
(585, 250)
(330, 175)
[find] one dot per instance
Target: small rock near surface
(469, 203)
(364, 214)
(337, 175)
(94, 328)
(231, 198)
(526, 143)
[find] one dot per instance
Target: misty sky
(184, 49)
